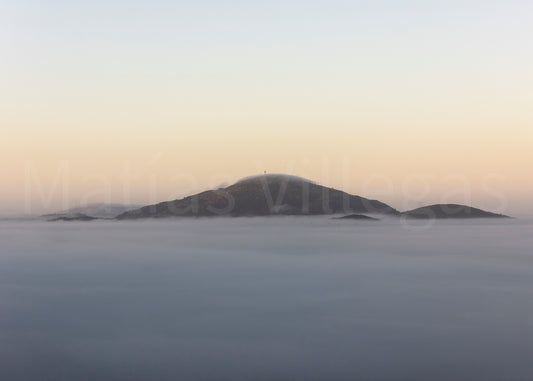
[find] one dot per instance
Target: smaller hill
(356, 217)
(442, 211)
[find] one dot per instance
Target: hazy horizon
(40, 199)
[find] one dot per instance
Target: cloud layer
(266, 298)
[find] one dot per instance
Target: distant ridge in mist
(90, 212)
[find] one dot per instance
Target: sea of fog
(294, 298)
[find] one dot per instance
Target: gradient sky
(411, 102)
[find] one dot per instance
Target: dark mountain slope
(261, 196)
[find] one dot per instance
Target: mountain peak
(262, 195)
(274, 177)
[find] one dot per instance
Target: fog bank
(292, 298)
